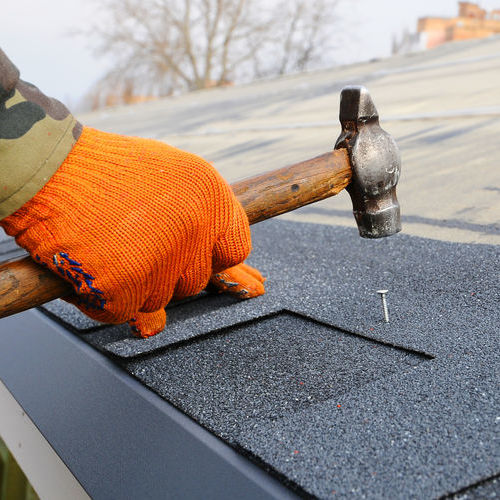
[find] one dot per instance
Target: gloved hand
(132, 223)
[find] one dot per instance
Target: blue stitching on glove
(90, 300)
(70, 261)
(39, 260)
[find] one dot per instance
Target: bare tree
(160, 47)
(301, 38)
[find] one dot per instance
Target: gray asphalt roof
(308, 380)
(311, 382)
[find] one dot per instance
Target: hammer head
(375, 163)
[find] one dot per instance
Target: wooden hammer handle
(288, 188)
(25, 284)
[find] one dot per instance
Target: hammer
(365, 161)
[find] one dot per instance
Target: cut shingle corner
(267, 368)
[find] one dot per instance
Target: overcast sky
(35, 35)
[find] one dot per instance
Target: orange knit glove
(242, 280)
(132, 223)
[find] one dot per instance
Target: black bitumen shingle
(267, 369)
(419, 400)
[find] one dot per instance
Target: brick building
(472, 22)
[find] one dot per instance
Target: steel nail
(382, 294)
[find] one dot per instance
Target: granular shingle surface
(408, 409)
(268, 369)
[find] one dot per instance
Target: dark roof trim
(118, 438)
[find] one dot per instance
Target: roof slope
(442, 106)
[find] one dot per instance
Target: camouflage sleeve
(36, 135)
